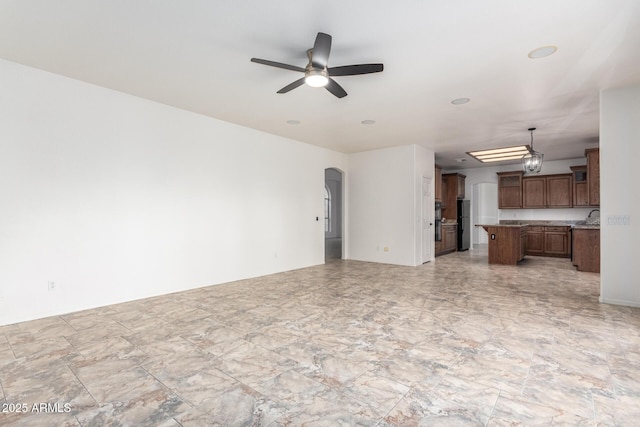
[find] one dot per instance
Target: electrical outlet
(51, 286)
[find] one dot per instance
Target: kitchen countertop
(586, 226)
(503, 225)
(580, 224)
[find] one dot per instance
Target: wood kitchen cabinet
(444, 191)
(460, 183)
(553, 241)
(559, 191)
(593, 175)
(547, 191)
(580, 186)
(455, 185)
(535, 241)
(534, 192)
(449, 242)
(452, 191)
(586, 249)
(510, 190)
(438, 183)
(557, 241)
(450, 232)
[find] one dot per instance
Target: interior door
(427, 219)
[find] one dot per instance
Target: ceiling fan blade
(292, 86)
(353, 70)
(277, 64)
(321, 50)
(335, 88)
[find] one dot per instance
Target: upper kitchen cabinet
(444, 190)
(593, 175)
(559, 191)
(534, 192)
(452, 190)
(438, 183)
(510, 190)
(580, 186)
(460, 183)
(455, 185)
(547, 191)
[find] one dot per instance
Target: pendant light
(532, 161)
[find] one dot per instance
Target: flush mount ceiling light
(460, 101)
(542, 52)
(500, 154)
(532, 161)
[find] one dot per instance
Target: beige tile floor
(451, 343)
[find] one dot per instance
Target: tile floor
(451, 343)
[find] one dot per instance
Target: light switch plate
(619, 219)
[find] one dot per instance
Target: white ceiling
(194, 54)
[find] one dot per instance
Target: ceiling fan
(316, 73)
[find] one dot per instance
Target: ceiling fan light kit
(316, 78)
(317, 73)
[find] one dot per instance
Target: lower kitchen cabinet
(557, 241)
(549, 241)
(535, 241)
(586, 249)
(449, 242)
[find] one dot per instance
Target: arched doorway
(485, 210)
(333, 214)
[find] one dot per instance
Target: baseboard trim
(619, 302)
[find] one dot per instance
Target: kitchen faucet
(594, 220)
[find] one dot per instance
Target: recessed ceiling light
(543, 51)
(368, 122)
(293, 122)
(460, 101)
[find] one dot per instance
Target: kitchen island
(507, 242)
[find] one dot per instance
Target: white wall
(116, 198)
(383, 210)
(477, 176)
(619, 152)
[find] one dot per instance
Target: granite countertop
(501, 224)
(586, 226)
(580, 224)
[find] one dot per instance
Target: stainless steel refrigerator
(464, 225)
